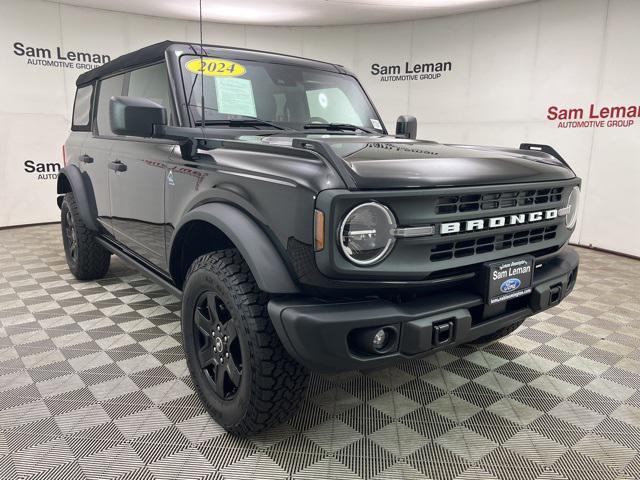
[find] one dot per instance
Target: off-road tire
(272, 384)
(497, 335)
(87, 260)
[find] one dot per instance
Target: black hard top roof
(156, 53)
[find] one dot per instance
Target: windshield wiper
(249, 122)
(336, 126)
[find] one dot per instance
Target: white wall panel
(142, 31)
(28, 88)
(386, 45)
(85, 30)
(569, 53)
(509, 65)
(499, 133)
(217, 34)
(621, 65)
(442, 40)
(440, 132)
(29, 197)
(275, 39)
(331, 44)
(612, 205)
(502, 63)
(567, 74)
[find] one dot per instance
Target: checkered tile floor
(93, 384)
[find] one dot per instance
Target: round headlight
(365, 233)
(572, 208)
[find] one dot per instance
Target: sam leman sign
(409, 71)
(59, 57)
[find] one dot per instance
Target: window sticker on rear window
(235, 96)
(215, 67)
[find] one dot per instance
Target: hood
(384, 162)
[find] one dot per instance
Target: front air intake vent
(490, 243)
(497, 200)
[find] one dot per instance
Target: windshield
(282, 96)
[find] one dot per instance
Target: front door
(137, 170)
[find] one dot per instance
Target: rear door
(137, 173)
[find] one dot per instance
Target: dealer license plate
(509, 278)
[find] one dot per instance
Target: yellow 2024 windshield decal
(215, 67)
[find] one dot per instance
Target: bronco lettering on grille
(496, 222)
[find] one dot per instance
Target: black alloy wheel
(72, 236)
(86, 258)
(218, 345)
(242, 373)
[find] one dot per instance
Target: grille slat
(497, 200)
(464, 248)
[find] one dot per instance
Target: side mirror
(135, 116)
(407, 126)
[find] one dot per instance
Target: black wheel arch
(71, 179)
(216, 226)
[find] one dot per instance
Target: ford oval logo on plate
(510, 285)
(508, 278)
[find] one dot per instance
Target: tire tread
(93, 259)
(279, 382)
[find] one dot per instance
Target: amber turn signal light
(318, 230)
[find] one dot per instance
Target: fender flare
(257, 249)
(80, 184)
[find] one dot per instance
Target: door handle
(84, 158)
(118, 166)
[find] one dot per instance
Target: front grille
(496, 200)
(472, 225)
(475, 246)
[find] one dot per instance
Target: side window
(152, 83)
(82, 108)
(111, 87)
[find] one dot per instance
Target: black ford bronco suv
(266, 192)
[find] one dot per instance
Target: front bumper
(320, 335)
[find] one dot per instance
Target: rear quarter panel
(73, 146)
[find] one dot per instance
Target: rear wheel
(87, 259)
(244, 377)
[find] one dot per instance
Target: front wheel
(245, 378)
